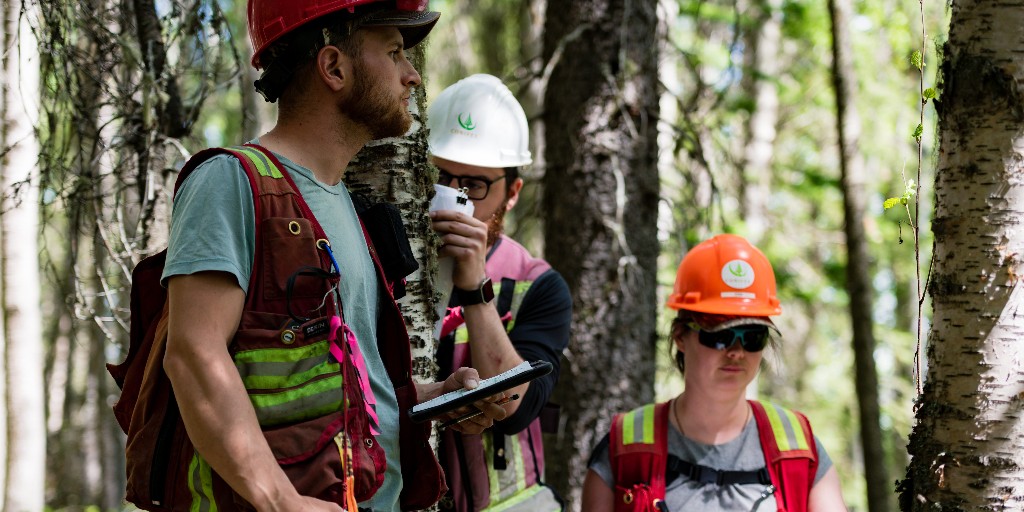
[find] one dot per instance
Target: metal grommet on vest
(294, 228)
(288, 336)
(323, 243)
(369, 442)
(627, 498)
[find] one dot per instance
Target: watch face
(480, 295)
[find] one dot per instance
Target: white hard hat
(477, 121)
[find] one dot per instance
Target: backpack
(638, 453)
(160, 475)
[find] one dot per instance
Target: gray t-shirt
(741, 454)
(213, 228)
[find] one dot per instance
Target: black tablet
(524, 372)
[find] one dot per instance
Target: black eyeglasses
(476, 187)
(752, 338)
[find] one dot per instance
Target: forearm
(203, 314)
(491, 349)
(222, 426)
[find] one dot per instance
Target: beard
(496, 224)
(372, 107)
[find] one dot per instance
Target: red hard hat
(726, 275)
(269, 20)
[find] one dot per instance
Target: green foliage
(903, 199)
(916, 59)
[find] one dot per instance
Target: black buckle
(763, 477)
(706, 475)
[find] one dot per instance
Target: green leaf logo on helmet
(467, 124)
(737, 270)
(738, 274)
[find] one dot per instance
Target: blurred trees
(967, 445)
(22, 438)
(858, 264)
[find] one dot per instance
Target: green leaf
(892, 201)
(916, 60)
(918, 131)
(929, 93)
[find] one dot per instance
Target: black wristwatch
(481, 295)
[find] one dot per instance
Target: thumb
(466, 377)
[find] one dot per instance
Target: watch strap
(480, 295)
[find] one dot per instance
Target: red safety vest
(638, 452)
(300, 411)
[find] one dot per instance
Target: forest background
(745, 141)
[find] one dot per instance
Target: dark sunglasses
(752, 338)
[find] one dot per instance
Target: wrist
(482, 293)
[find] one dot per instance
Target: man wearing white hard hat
(507, 306)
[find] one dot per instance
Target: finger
(464, 377)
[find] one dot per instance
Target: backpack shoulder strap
(790, 453)
(638, 450)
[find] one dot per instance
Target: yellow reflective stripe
(277, 368)
(798, 431)
(461, 334)
(310, 401)
(263, 165)
(275, 355)
(627, 428)
(642, 418)
(778, 429)
(200, 484)
(263, 382)
(518, 293)
(649, 424)
(516, 500)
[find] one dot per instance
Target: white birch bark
(19, 222)
(968, 445)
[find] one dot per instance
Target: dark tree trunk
(858, 272)
(600, 203)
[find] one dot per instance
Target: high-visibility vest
(638, 453)
(489, 471)
(297, 391)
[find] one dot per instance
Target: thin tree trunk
(600, 199)
(760, 84)
(968, 445)
(858, 272)
(19, 222)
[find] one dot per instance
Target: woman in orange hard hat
(709, 448)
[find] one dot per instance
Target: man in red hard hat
(291, 370)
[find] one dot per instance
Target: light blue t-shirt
(213, 228)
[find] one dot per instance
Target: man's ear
(333, 68)
(513, 194)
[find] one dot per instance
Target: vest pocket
(288, 245)
(306, 402)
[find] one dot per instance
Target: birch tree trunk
(858, 272)
(600, 201)
(396, 170)
(19, 253)
(967, 447)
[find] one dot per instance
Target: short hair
(285, 59)
(511, 175)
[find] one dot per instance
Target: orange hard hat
(726, 275)
(269, 20)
